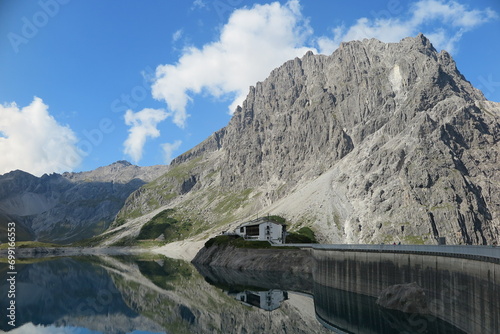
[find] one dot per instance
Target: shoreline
(181, 250)
(38, 252)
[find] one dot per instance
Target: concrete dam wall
(462, 288)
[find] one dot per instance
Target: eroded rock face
(374, 143)
(72, 206)
(409, 298)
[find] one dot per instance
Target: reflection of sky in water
(32, 329)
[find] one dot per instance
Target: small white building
(262, 229)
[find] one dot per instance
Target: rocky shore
(275, 259)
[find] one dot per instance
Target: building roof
(259, 221)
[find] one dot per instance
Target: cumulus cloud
(443, 22)
(253, 42)
(33, 141)
(143, 125)
(256, 40)
(169, 149)
(451, 13)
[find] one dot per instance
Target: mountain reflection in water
(155, 294)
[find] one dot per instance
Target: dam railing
(479, 253)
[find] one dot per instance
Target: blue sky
(84, 83)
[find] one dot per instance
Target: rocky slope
(72, 206)
(374, 143)
(283, 260)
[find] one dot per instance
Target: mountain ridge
(375, 143)
(397, 132)
(70, 206)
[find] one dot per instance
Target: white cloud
(253, 42)
(451, 13)
(256, 40)
(143, 125)
(169, 149)
(33, 141)
(443, 22)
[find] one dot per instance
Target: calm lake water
(155, 294)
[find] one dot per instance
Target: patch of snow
(396, 79)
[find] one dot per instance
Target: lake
(154, 294)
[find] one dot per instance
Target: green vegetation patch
(303, 236)
(165, 273)
(30, 244)
(159, 224)
(232, 288)
(184, 170)
(230, 202)
(129, 215)
(166, 223)
(277, 219)
(119, 221)
(238, 242)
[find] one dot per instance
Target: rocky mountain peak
(376, 142)
(120, 171)
(421, 42)
(323, 106)
(122, 162)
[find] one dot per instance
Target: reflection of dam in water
(461, 285)
(462, 289)
(348, 312)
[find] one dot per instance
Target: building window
(253, 230)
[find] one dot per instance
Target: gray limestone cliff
(378, 142)
(71, 206)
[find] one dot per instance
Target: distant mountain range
(68, 207)
(376, 143)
